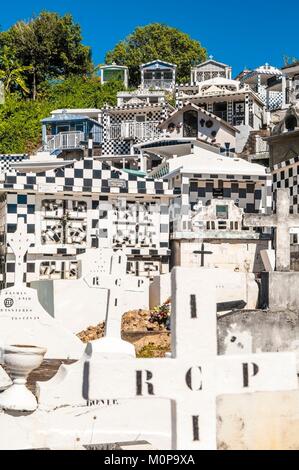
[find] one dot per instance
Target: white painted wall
(229, 286)
(236, 255)
(223, 133)
(77, 306)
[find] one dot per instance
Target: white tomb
(23, 320)
(76, 304)
(117, 283)
(191, 379)
(231, 288)
(5, 381)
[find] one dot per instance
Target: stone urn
(20, 360)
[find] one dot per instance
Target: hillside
(20, 127)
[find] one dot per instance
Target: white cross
(282, 221)
(195, 375)
(117, 282)
(19, 242)
(191, 378)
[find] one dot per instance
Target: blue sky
(235, 32)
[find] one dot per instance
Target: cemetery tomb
(66, 301)
(191, 379)
(22, 318)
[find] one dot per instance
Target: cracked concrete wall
(258, 331)
(260, 420)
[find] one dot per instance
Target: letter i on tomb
(117, 283)
(194, 375)
(19, 242)
(187, 379)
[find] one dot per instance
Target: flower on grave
(161, 314)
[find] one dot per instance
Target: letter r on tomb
(142, 382)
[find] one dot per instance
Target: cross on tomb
(23, 320)
(194, 375)
(117, 282)
(191, 379)
(134, 225)
(202, 252)
(240, 108)
(19, 242)
(282, 221)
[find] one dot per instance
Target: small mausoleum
(158, 75)
(114, 72)
(67, 130)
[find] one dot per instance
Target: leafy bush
(20, 126)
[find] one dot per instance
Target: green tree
(20, 126)
(11, 73)
(51, 45)
(157, 41)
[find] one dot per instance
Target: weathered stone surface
(230, 286)
(283, 221)
(279, 290)
(258, 421)
(258, 330)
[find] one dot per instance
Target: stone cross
(19, 242)
(191, 379)
(116, 282)
(23, 320)
(282, 221)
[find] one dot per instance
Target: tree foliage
(157, 41)
(20, 126)
(50, 45)
(45, 66)
(12, 74)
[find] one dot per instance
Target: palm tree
(11, 73)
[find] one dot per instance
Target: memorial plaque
(22, 318)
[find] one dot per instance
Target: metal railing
(69, 140)
(160, 170)
(134, 130)
(64, 140)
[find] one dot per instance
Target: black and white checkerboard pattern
(118, 114)
(91, 181)
(271, 99)
(88, 175)
(253, 194)
(7, 159)
(286, 175)
(246, 195)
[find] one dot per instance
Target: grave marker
(23, 320)
(191, 378)
(116, 282)
(282, 221)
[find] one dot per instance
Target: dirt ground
(149, 339)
